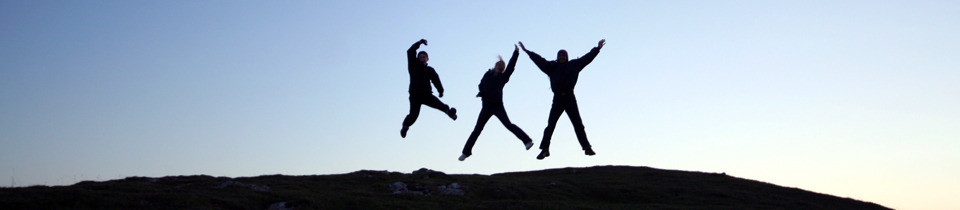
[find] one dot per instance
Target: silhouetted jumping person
(563, 77)
(491, 92)
(420, 92)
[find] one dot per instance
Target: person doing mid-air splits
(491, 92)
(563, 77)
(420, 92)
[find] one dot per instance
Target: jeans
(416, 101)
(485, 113)
(564, 102)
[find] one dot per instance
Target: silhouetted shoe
(543, 154)
(528, 144)
(452, 113)
(589, 151)
(463, 157)
(403, 131)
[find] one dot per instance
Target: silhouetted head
(423, 57)
(499, 66)
(562, 56)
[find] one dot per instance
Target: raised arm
(513, 62)
(537, 59)
(412, 52)
(586, 59)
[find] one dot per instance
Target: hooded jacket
(563, 76)
(491, 86)
(420, 74)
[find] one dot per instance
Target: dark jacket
(563, 76)
(421, 74)
(491, 86)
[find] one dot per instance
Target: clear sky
(857, 99)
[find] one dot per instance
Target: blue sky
(854, 98)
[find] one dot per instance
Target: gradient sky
(856, 99)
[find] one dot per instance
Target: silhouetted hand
(524, 48)
(424, 41)
(515, 48)
(602, 42)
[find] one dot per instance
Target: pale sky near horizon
(855, 99)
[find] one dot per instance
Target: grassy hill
(601, 187)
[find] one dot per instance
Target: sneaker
(589, 151)
(543, 154)
(403, 131)
(529, 144)
(463, 157)
(452, 113)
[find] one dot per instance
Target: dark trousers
(485, 113)
(416, 100)
(564, 102)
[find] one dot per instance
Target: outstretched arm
(412, 52)
(541, 63)
(586, 59)
(513, 62)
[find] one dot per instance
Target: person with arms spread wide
(563, 75)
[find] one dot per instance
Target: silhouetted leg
(574, 113)
(433, 101)
(501, 114)
(414, 112)
(555, 110)
(481, 121)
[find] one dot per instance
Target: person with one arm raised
(491, 92)
(421, 75)
(563, 75)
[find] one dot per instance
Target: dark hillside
(601, 187)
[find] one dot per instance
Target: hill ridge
(597, 187)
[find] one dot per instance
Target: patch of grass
(601, 187)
